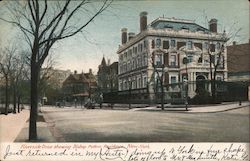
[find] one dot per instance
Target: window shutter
(166, 61)
(212, 47)
(166, 78)
(178, 60)
(165, 44)
(153, 44)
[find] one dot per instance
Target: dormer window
(168, 27)
(184, 28)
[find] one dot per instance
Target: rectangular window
(218, 46)
(130, 53)
(125, 56)
(212, 47)
(121, 86)
(190, 58)
(139, 82)
(219, 78)
(173, 79)
(125, 85)
(172, 60)
(189, 44)
(165, 44)
(158, 43)
(172, 43)
(144, 81)
(144, 59)
(145, 44)
(205, 45)
(158, 59)
(139, 61)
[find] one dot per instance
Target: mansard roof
(177, 24)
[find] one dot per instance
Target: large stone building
(160, 47)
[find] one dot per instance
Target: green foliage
(202, 97)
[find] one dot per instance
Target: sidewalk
(43, 132)
(197, 109)
(12, 124)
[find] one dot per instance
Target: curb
(182, 110)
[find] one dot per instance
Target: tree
(159, 71)
(6, 67)
(216, 56)
(43, 23)
(16, 75)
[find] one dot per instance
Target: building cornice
(173, 34)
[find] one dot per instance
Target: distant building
(79, 87)
(54, 77)
(166, 42)
(107, 76)
(239, 67)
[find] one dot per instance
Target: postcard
(138, 80)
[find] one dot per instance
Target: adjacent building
(107, 80)
(159, 50)
(239, 68)
(238, 62)
(79, 87)
(107, 76)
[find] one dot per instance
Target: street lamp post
(185, 83)
(130, 87)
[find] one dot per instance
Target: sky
(103, 36)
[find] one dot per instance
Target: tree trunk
(18, 104)
(162, 96)
(6, 95)
(213, 91)
(214, 86)
(34, 101)
(14, 98)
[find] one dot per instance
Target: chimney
(213, 25)
(131, 35)
(143, 21)
(124, 35)
(90, 71)
(234, 42)
(75, 72)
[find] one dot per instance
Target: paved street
(106, 125)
